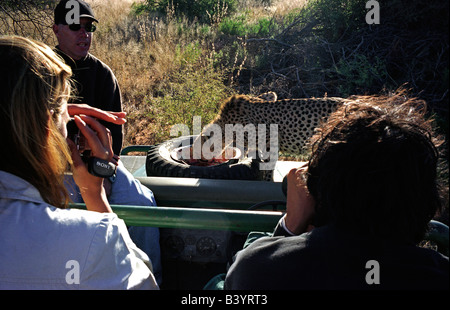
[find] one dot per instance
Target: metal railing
(196, 218)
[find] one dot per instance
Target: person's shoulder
(87, 216)
(73, 222)
(97, 63)
(273, 248)
(266, 263)
(90, 218)
(86, 228)
(91, 58)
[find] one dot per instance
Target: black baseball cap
(61, 11)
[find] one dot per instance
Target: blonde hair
(34, 85)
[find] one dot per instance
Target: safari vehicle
(203, 222)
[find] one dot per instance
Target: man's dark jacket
(97, 86)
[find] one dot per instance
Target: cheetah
(296, 118)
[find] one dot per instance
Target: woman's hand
(117, 118)
(100, 142)
(300, 204)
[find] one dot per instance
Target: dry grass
(142, 53)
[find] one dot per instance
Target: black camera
(96, 166)
(101, 168)
(74, 134)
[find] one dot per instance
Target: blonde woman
(43, 244)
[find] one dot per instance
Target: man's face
(75, 44)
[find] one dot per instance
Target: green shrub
(233, 26)
(194, 88)
(337, 18)
(360, 74)
(239, 26)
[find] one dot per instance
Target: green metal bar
(191, 218)
(209, 193)
(230, 220)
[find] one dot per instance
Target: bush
(239, 26)
(359, 72)
(28, 18)
(195, 88)
(233, 26)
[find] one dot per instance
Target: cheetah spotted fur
(296, 118)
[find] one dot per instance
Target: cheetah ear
(269, 96)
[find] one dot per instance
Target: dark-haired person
(43, 244)
(356, 212)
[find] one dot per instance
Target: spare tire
(160, 162)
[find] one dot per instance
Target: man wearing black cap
(95, 82)
(98, 87)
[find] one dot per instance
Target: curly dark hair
(373, 168)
